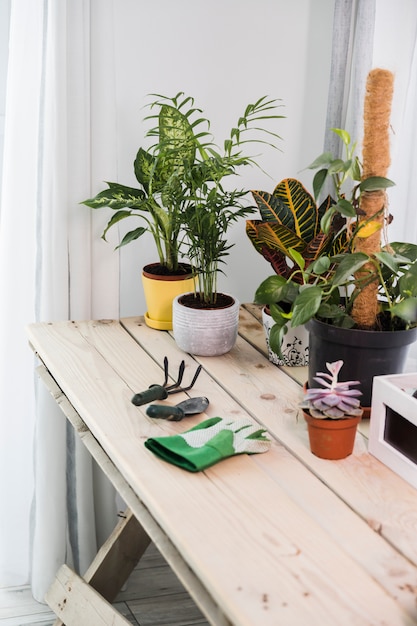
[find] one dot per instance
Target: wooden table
(280, 538)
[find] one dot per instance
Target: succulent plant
(334, 399)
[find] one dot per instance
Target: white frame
(389, 391)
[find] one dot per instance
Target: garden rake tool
(161, 392)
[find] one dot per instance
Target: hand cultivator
(161, 392)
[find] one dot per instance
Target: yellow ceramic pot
(160, 291)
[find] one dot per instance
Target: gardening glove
(210, 441)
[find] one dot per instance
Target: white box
(393, 424)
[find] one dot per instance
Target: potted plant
(158, 203)
(205, 321)
(332, 287)
(290, 225)
(332, 412)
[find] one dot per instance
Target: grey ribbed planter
(205, 332)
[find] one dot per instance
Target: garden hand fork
(161, 392)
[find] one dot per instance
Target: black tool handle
(155, 392)
(173, 413)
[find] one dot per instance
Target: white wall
(394, 46)
(225, 53)
(4, 47)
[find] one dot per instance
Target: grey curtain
(352, 48)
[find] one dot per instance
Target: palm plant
(211, 209)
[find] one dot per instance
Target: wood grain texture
(78, 604)
(281, 537)
(201, 597)
(153, 595)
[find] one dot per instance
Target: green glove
(209, 442)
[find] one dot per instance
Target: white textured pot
(205, 332)
(294, 345)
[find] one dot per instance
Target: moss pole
(376, 161)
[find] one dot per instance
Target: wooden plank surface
(251, 329)
(383, 500)
(78, 604)
(270, 570)
(159, 538)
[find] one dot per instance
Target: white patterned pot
(205, 332)
(294, 346)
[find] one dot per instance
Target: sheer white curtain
(369, 34)
(52, 266)
(352, 49)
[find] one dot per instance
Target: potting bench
(281, 537)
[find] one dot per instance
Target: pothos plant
(327, 288)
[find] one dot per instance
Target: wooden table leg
(164, 544)
(78, 604)
(113, 563)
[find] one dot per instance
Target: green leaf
(376, 183)
(272, 235)
(290, 218)
(406, 250)
(356, 171)
(323, 159)
(320, 266)
(406, 310)
(330, 311)
(289, 292)
(306, 305)
(326, 220)
(343, 134)
(318, 181)
(276, 337)
(408, 282)
(117, 197)
(117, 217)
(131, 236)
(337, 165)
(388, 260)
(349, 264)
(142, 166)
(270, 290)
(176, 141)
(297, 208)
(345, 208)
(278, 314)
(297, 258)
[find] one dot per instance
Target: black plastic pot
(365, 353)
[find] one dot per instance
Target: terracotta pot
(294, 345)
(205, 332)
(160, 290)
(331, 439)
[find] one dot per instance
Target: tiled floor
(153, 597)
